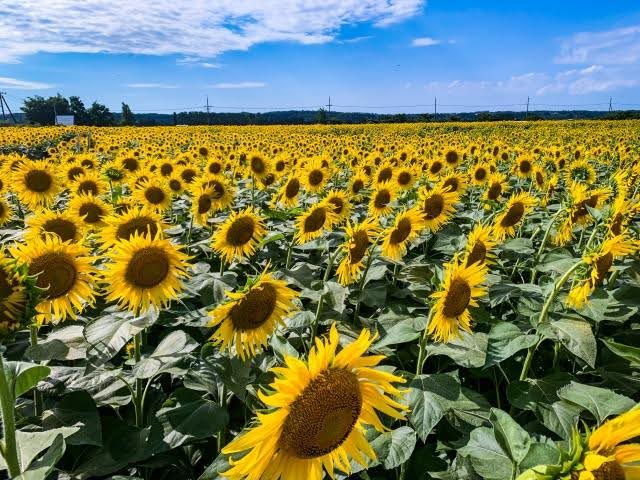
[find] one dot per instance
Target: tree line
(42, 111)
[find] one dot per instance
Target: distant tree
(322, 117)
(175, 118)
(78, 110)
(99, 115)
(42, 110)
(128, 118)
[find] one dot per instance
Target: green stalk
(356, 312)
(423, 343)
(327, 273)
(7, 404)
(545, 238)
(289, 252)
(37, 396)
(138, 398)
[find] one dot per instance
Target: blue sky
(368, 55)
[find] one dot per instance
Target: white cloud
(591, 79)
(240, 85)
(356, 39)
(610, 47)
(7, 82)
(197, 62)
(151, 85)
(198, 28)
(425, 42)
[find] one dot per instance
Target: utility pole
(610, 106)
(435, 107)
(526, 115)
(207, 107)
(328, 105)
(3, 103)
(55, 115)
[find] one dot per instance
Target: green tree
(322, 117)
(99, 115)
(128, 118)
(42, 110)
(78, 110)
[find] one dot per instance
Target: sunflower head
(358, 240)
(437, 206)
(238, 236)
(518, 206)
(406, 227)
(137, 221)
(12, 299)
(314, 221)
(36, 183)
(48, 222)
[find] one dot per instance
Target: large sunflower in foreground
(437, 205)
(46, 222)
(461, 287)
(63, 272)
(238, 235)
(12, 299)
(518, 206)
(314, 221)
(406, 227)
(319, 409)
(358, 239)
(36, 183)
(140, 221)
(144, 271)
(250, 316)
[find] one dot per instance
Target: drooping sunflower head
(480, 244)
(357, 242)
(314, 221)
(321, 408)
(238, 235)
(437, 206)
(381, 199)
(64, 224)
(357, 184)
(153, 194)
(462, 286)
(249, 317)
(36, 183)
(137, 221)
(602, 259)
(91, 210)
(517, 208)
(145, 271)
(405, 228)
(341, 205)
(12, 298)
(64, 274)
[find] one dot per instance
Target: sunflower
(238, 235)
(258, 164)
(406, 177)
(130, 162)
(188, 174)
(166, 168)
(453, 183)
(437, 205)
(539, 178)
(452, 157)
(406, 227)
(250, 316)
(139, 220)
(72, 171)
(201, 205)
(314, 176)
(480, 173)
(319, 411)
(89, 182)
(65, 225)
(598, 264)
(289, 192)
(461, 287)
(6, 213)
(384, 173)
(64, 273)
(92, 210)
(175, 185)
(153, 194)
(381, 197)
(214, 166)
(144, 271)
(496, 187)
(340, 203)
(220, 190)
(357, 184)
(314, 221)
(36, 184)
(523, 167)
(479, 246)
(518, 206)
(12, 299)
(581, 171)
(357, 242)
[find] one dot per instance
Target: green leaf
(168, 353)
(540, 454)
(401, 332)
(630, 354)
(488, 458)
(66, 343)
(41, 468)
(468, 350)
(430, 396)
(30, 444)
(395, 447)
(577, 337)
(76, 409)
(505, 340)
(600, 402)
(24, 376)
(512, 437)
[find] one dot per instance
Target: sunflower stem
(289, 252)
(612, 279)
(356, 313)
(423, 343)
(7, 404)
(189, 235)
(545, 238)
(220, 440)
(325, 278)
(37, 396)
(592, 236)
(138, 399)
(543, 317)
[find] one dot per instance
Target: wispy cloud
(197, 62)
(198, 29)
(7, 82)
(240, 85)
(151, 85)
(611, 47)
(363, 38)
(425, 42)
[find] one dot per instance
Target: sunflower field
(426, 301)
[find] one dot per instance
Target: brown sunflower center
(435, 167)
(240, 231)
(525, 166)
(539, 178)
(88, 186)
(452, 184)
(38, 180)
(204, 204)
(357, 186)
(257, 165)
(404, 178)
(608, 471)
(74, 172)
(154, 195)
(315, 177)
(359, 244)
(323, 415)
(65, 229)
(315, 220)
(495, 190)
(338, 204)
(5, 287)
(513, 215)
(217, 189)
(478, 253)
(188, 175)
(215, 167)
(147, 268)
(457, 299)
(383, 197)
(385, 174)
(56, 274)
(616, 225)
(2, 210)
(292, 188)
(255, 308)
(401, 232)
(175, 185)
(130, 164)
(603, 265)
(480, 174)
(139, 225)
(91, 212)
(451, 157)
(433, 206)
(166, 169)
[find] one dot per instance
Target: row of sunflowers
(381, 301)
